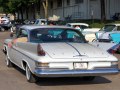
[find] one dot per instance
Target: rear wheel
(30, 77)
(89, 78)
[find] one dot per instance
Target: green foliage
(12, 6)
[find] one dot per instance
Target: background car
(5, 24)
(104, 33)
(88, 32)
(41, 22)
(81, 25)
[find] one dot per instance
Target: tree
(45, 6)
(103, 15)
(4, 6)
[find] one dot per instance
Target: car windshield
(44, 35)
(108, 28)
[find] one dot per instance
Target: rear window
(56, 35)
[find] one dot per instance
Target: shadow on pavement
(70, 81)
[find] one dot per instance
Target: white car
(41, 22)
(89, 33)
(57, 51)
(81, 25)
(5, 20)
(104, 33)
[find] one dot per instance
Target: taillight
(112, 51)
(40, 50)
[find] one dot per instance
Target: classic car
(81, 25)
(88, 32)
(104, 33)
(57, 51)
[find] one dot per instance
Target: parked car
(104, 33)
(5, 24)
(41, 22)
(88, 32)
(8, 26)
(81, 25)
(57, 51)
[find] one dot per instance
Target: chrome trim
(74, 73)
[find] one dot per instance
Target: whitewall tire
(8, 62)
(29, 76)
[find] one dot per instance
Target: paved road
(14, 79)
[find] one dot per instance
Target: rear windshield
(56, 35)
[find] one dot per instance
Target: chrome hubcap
(7, 61)
(27, 73)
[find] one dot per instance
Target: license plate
(80, 65)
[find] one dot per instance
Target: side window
(22, 33)
(118, 28)
(37, 22)
(68, 25)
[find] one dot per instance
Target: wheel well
(5, 51)
(24, 64)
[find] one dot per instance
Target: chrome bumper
(75, 73)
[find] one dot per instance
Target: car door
(16, 54)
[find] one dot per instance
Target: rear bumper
(75, 73)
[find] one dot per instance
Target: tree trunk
(103, 15)
(21, 11)
(34, 11)
(45, 5)
(14, 16)
(18, 16)
(27, 13)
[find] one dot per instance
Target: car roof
(116, 24)
(31, 27)
(78, 24)
(42, 19)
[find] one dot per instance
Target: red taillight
(40, 50)
(112, 51)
